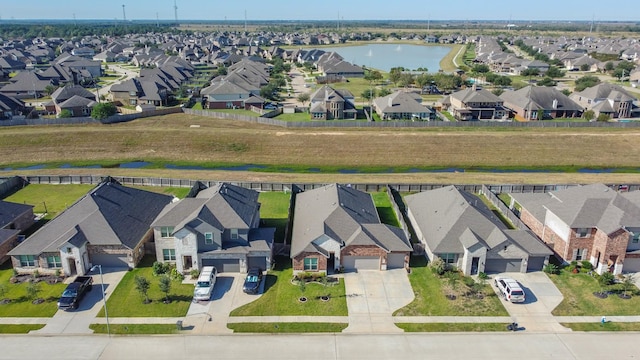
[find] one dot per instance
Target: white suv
(206, 281)
(510, 289)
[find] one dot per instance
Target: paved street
(522, 346)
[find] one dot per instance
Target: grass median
(19, 328)
(134, 329)
(452, 327)
(608, 326)
(273, 328)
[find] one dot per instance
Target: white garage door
(631, 265)
(395, 261)
(352, 263)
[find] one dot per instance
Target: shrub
(36, 274)
(551, 269)
(468, 280)
(606, 278)
(159, 268)
(194, 273)
(438, 266)
(65, 113)
(483, 276)
(142, 285)
(57, 273)
(103, 110)
(176, 275)
(586, 264)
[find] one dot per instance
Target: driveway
(78, 321)
(211, 317)
(373, 296)
(542, 296)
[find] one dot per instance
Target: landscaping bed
(440, 296)
(17, 301)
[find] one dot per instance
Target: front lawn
(452, 327)
(20, 305)
(274, 211)
(385, 211)
(431, 296)
(272, 328)
(134, 329)
(19, 328)
(579, 300)
(281, 296)
(608, 326)
(126, 301)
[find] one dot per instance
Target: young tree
(395, 74)
(142, 286)
(554, 72)
(603, 117)
(33, 289)
(384, 92)
(609, 66)
(303, 98)
(628, 282)
(165, 286)
(586, 82)
(373, 76)
(588, 115)
(368, 94)
(65, 113)
(584, 67)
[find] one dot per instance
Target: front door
(187, 262)
(72, 267)
(474, 265)
(331, 263)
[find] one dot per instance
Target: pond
(386, 56)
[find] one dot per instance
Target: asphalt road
(519, 345)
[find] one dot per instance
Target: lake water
(385, 56)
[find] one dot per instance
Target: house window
(208, 238)
(234, 234)
(169, 254)
(166, 231)
(583, 232)
(54, 261)
(310, 264)
(580, 254)
(448, 258)
(27, 260)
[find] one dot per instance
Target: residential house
(337, 226)
(227, 95)
(609, 99)
(402, 106)
(14, 219)
(109, 226)
(77, 106)
(139, 91)
(540, 103)
(327, 103)
(81, 105)
(459, 228)
(474, 104)
(586, 223)
(218, 227)
(10, 107)
(25, 85)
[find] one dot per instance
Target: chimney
(555, 103)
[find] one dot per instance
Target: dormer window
(234, 234)
(208, 238)
(583, 232)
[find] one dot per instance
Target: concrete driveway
(78, 321)
(373, 296)
(211, 317)
(542, 296)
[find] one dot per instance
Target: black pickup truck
(74, 292)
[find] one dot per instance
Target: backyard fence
(89, 120)
(398, 211)
(504, 209)
(10, 185)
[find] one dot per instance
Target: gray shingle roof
(344, 214)
(541, 97)
(111, 214)
(9, 211)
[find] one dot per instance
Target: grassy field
(372, 150)
(431, 299)
(452, 327)
(446, 64)
(281, 297)
(135, 329)
(126, 301)
(274, 328)
(579, 300)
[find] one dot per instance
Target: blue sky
(623, 10)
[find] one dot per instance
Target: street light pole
(104, 300)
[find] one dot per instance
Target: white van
(206, 281)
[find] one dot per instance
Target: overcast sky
(585, 10)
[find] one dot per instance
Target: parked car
(270, 107)
(252, 281)
(510, 289)
(74, 292)
(205, 283)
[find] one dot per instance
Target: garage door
(395, 261)
(352, 263)
(223, 265)
(631, 265)
(535, 263)
(110, 260)
(502, 265)
(257, 261)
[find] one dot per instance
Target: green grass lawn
(452, 327)
(431, 297)
(20, 305)
(281, 296)
(273, 328)
(50, 198)
(126, 301)
(448, 116)
(274, 211)
(579, 300)
(385, 211)
(135, 329)
(19, 328)
(236, 111)
(608, 326)
(299, 116)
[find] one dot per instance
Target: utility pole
(124, 15)
(245, 20)
(175, 11)
(338, 21)
(157, 20)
